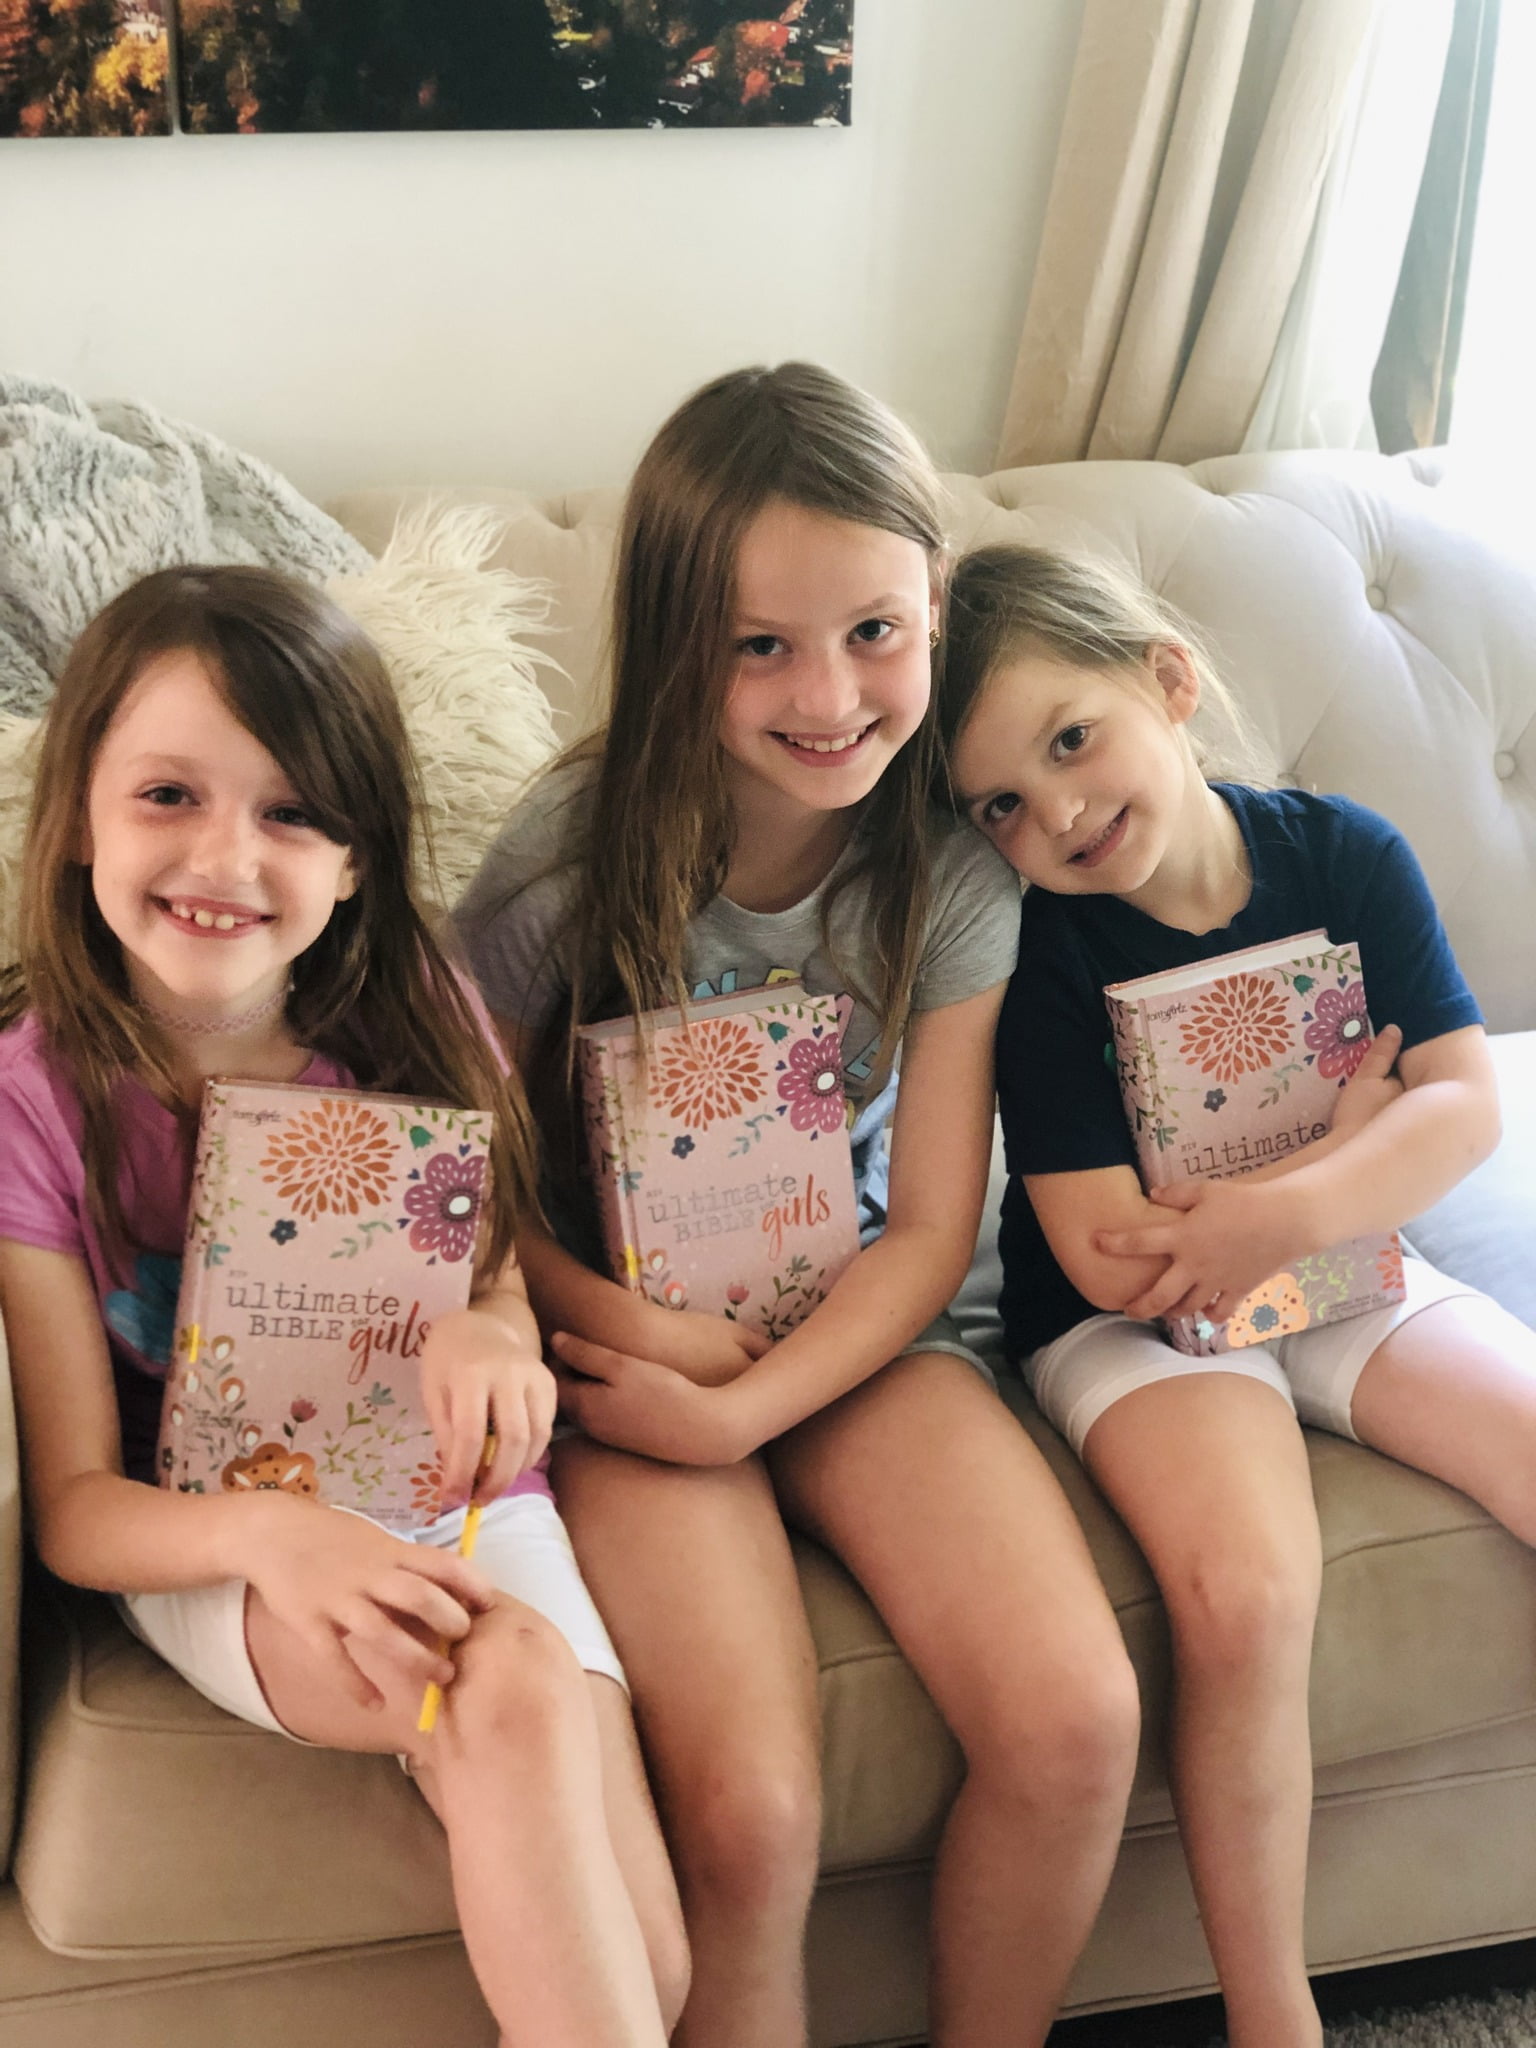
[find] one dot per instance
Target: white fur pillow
(455, 636)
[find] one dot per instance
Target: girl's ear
(1178, 680)
(346, 881)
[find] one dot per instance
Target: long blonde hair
(376, 991)
(1006, 600)
(656, 843)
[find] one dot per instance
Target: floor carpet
(1476, 1998)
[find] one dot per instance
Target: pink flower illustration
(1339, 1034)
(813, 1085)
(446, 1206)
(302, 1410)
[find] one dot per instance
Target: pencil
(432, 1698)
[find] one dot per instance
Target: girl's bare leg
(635, 1834)
(942, 1508)
(692, 1572)
(1452, 1392)
(515, 1772)
(1210, 1474)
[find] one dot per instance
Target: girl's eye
(290, 814)
(760, 646)
(164, 795)
(872, 630)
(1070, 740)
(996, 808)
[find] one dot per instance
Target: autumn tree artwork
(277, 66)
(84, 67)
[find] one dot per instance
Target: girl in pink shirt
(218, 879)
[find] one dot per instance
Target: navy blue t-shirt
(1318, 862)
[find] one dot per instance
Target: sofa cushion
(152, 1819)
(1485, 1229)
(160, 1797)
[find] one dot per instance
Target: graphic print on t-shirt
(144, 1316)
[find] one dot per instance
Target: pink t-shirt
(42, 1203)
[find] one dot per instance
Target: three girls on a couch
(217, 879)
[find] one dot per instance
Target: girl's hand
(1225, 1238)
(1372, 1086)
(637, 1405)
(477, 1376)
(337, 1580)
(709, 1350)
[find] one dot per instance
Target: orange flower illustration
(427, 1485)
(1277, 1309)
(1389, 1266)
(1238, 1028)
(271, 1468)
(714, 1071)
(333, 1159)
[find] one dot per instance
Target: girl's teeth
(206, 920)
(828, 746)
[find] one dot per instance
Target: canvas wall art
(281, 66)
(84, 67)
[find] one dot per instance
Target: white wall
(524, 308)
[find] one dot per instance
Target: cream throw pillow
(456, 636)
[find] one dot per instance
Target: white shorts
(1096, 1363)
(522, 1548)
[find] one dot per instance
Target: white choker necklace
(227, 1027)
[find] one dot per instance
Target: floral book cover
(327, 1229)
(1230, 1065)
(721, 1159)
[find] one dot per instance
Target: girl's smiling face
(832, 671)
(1080, 776)
(205, 863)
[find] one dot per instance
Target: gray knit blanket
(94, 496)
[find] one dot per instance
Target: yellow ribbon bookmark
(432, 1698)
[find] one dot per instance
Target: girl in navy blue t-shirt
(1066, 700)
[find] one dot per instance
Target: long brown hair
(1009, 599)
(376, 991)
(658, 841)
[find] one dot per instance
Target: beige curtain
(1195, 144)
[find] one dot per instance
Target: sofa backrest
(1379, 644)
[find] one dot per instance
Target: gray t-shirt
(512, 932)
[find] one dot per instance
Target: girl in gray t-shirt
(757, 807)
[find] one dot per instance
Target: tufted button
(1503, 766)
(1375, 597)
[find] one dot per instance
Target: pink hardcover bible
(721, 1158)
(327, 1229)
(1234, 1063)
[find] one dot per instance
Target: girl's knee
(748, 1842)
(1068, 1739)
(1245, 1607)
(518, 1680)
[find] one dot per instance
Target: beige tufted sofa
(179, 1877)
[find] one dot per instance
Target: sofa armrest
(10, 1612)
